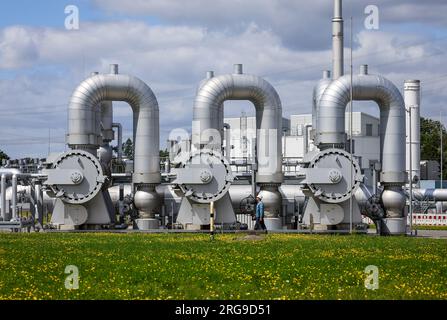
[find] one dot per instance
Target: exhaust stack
(337, 41)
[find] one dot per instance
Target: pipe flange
(87, 177)
(341, 164)
(216, 175)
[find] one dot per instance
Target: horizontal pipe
(430, 194)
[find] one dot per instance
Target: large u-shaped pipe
(82, 132)
(331, 129)
(238, 86)
(331, 119)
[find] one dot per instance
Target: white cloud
(17, 48)
(173, 57)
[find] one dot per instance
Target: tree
(3, 156)
(431, 142)
(128, 149)
(164, 154)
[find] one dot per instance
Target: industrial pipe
(106, 108)
(240, 86)
(3, 196)
(227, 128)
(14, 196)
(331, 131)
(430, 194)
(412, 97)
(306, 139)
(337, 41)
(119, 140)
(316, 96)
(331, 119)
(220, 115)
(117, 87)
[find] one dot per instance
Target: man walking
(260, 214)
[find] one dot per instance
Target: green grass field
(190, 266)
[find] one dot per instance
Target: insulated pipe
(430, 194)
(331, 119)
(220, 117)
(412, 97)
(14, 197)
(107, 113)
(3, 196)
(331, 133)
(106, 121)
(239, 86)
(227, 128)
(118, 87)
(316, 96)
(306, 139)
(39, 202)
(337, 41)
(119, 139)
(10, 171)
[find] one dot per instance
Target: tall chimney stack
(337, 41)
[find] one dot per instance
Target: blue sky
(171, 44)
(50, 13)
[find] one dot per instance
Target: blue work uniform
(260, 210)
(260, 215)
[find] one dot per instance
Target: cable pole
(442, 156)
(411, 173)
(350, 134)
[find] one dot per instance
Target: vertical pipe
(237, 69)
(412, 97)
(212, 220)
(39, 203)
(121, 203)
(227, 128)
(306, 138)
(337, 41)
(120, 140)
(3, 196)
(114, 69)
(253, 167)
(14, 197)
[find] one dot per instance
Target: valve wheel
(341, 190)
(88, 177)
(216, 175)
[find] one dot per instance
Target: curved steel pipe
(118, 87)
(239, 86)
(331, 119)
(316, 97)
